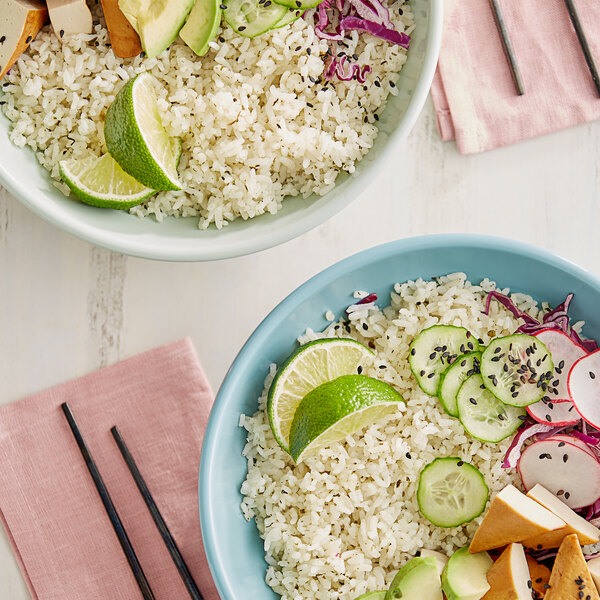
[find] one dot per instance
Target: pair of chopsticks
(115, 520)
(510, 53)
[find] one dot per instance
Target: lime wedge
(136, 138)
(101, 182)
(336, 409)
(310, 366)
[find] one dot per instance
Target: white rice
(341, 524)
(250, 136)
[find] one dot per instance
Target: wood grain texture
(67, 308)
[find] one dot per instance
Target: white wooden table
(67, 308)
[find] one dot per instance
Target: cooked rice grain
(342, 523)
(250, 135)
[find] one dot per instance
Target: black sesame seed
(580, 594)
(501, 417)
(297, 47)
(61, 32)
(546, 586)
(308, 51)
(377, 84)
(472, 401)
(529, 584)
(548, 418)
(221, 39)
(376, 116)
(565, 457)
(422, 373)
(241, 28)
(28, 40)
(430, 375)
(383, 366)
(539, 546)
(522, 417)
(412, 352)
(567, 495)
(310, 106)
(408, 455)
(365, 326)
(592, 375)
(2, 39)
(432, 356)
(460, 463)
(359, 369)
(392, 84)
(538, 580)
(366, 119)
(438, 348)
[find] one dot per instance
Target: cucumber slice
(464, 577)
(451, 380)
(301, 4)
(290, 17)
(484, 416)
(251, 17)
(517, 369)
(451, 492)
(418, 579)
(434, 349)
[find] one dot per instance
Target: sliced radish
(554, 412)
(565, 353)
(568, 471)
(573, 441)
(584, 387)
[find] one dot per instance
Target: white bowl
(179, 239)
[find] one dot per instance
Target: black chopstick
(132, 559)
(170, 543)
(508, 47)
(585, 47)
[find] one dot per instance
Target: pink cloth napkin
(61, 535)
(474, 96)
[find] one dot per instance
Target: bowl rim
(268, 327)
(158, 248)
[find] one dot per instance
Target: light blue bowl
(180, 239)
(233, 546)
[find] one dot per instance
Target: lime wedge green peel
(101, 182)
(338, 408)
(311, 365)
(136, 138)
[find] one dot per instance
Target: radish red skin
(588, 368)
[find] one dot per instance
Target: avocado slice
(464, 577)
(157, 23)
(202, 25)
(418, 579)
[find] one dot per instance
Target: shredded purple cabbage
(333, 18)
(345, 71)
(525, 432)
(367, 299)
(590, 440)
(557, 318)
